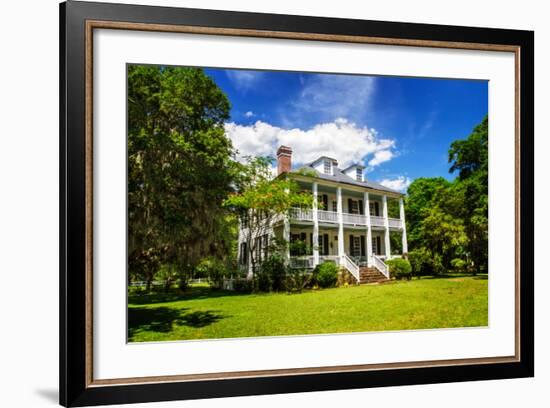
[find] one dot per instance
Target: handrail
(381, 266)
(327, 216)
(351, 267)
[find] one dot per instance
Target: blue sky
(400, 128)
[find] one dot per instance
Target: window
(334, 206)
(374, 209)
(243, 254)
(321, 244)
(244, 220)
(356, 246)
(359, 174)
(328, 167)
(265, 246)
(353, 207)
(376, 246)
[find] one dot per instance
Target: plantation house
(348, 223)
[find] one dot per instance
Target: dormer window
(359, 174)
(328, 167)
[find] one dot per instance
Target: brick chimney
(284, 159)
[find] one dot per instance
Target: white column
(315, 227)
(369, 230)
(403, 226)
(386, 226)
(286, 237)
(340, 224)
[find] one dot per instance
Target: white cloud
(340, 139)
(380, 157)
(249, 114)
(244, 80)
(400, 183)
(329, 97)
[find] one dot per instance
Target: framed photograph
(256, 204)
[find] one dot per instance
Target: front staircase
(371, 275)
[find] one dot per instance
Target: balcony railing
(331, 217)
(377, 221)
(328, 216)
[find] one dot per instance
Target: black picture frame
(75, 389)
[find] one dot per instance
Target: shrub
(458, 264)
(296, 280)
(400, 268)
(421, 262)
(275, 269)
(214, 269)
(262, 281)
(243, 285)
(326, 274)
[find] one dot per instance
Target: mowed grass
(203, 313)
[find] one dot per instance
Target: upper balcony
(331, 217)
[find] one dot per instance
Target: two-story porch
(346, 225)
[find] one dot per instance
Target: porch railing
(377, 221)
(381, 266)
(394, 222)
(351, 267)
(348, 219)
(355, 219)
(328, 216)
(301, 262)
(301, 214)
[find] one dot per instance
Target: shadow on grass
(189, 294)
(163, 319)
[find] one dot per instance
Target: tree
(471, 155)
(421, 195)
(261, 199)
(471, 158)
(180, 168)
(449, 219)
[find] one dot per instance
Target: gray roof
(359, 166)
(340, 177)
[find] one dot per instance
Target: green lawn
(206, 314)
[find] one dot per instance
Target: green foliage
(275, 269)
(296, 280)
(180, 169)
(421, 262)
(260, 198)
(326, 274)
(449, 220)
(214, 270)
(243, 285)
(400, 268)
(471, 155)
(262, 281)
(459, 265)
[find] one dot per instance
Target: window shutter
(325, 246)
(377, 211)
(362, 245)
(325, 202)
(350, 206)
(361, 207)
(351, 245)
(378, 245)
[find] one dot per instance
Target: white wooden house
(348, 220)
